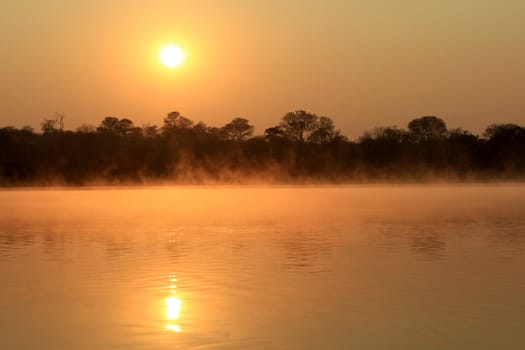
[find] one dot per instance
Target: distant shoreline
(302, 149)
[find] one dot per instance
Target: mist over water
(334, 267)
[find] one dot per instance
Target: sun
(172, 56)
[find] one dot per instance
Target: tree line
(301, 147)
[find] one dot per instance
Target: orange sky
(362, 63)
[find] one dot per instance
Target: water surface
(375, 267)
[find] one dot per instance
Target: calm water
(263, 268)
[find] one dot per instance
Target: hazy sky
(363, 63)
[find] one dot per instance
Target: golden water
(357, 267)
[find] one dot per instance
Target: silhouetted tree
(216, 133)
(274, 133)
(50, 126)
(460, 132)
(174, 121)
(27, 128)
(200, 128)
(324, 131)
(125, 126)
(391, 134)
(109, 125)
(296, 125)
(504, 131)
(383, 148)
(427, 128)
(150, 130)
(505, 147)
(238, 129)
(463, 152)
(115, 126)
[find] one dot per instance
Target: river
(333, 267)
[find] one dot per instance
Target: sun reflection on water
(173, 328)
(173, 307)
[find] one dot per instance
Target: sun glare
(173, 305)
(172, 56)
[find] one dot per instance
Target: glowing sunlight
(172, 56)
(173, 307)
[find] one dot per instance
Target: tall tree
(427, 128)
(324, 131)
(50, 126)
(115, 126)
(238, 129)
(274, 133)
(149, 130)
(296, 125)
(504, 131)
(175, 121)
